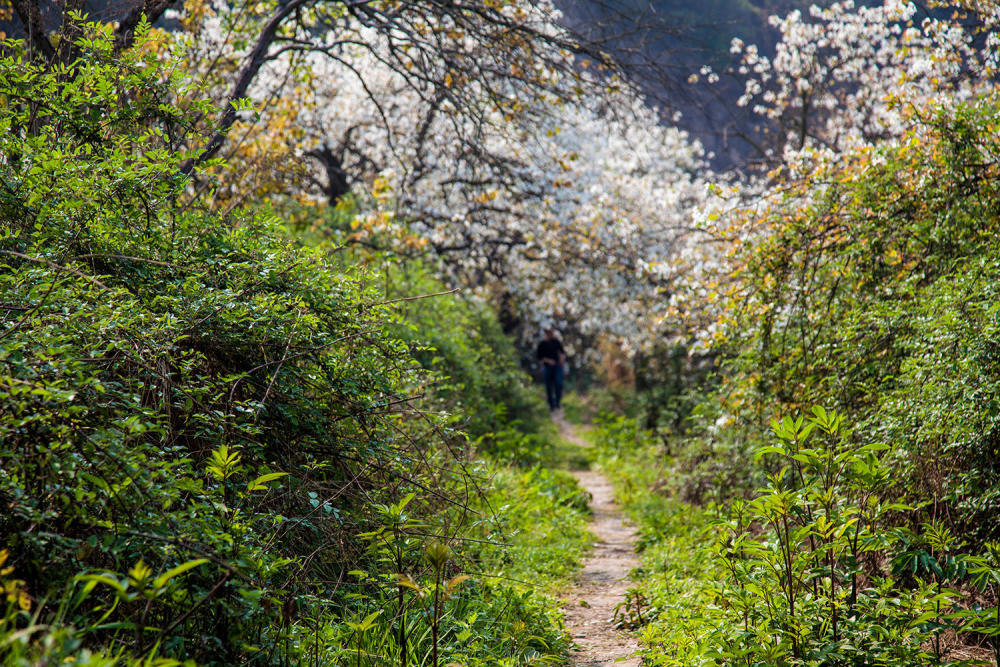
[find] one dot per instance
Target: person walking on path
(553, 357)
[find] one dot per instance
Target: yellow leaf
(407, 581)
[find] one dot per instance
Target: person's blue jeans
(554, 385)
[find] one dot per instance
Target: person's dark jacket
(550, 349)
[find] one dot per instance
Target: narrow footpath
(601, 584)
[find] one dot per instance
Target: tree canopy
(267, 275)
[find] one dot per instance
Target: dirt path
(601, 584)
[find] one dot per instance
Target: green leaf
(105, 579)
(365, 624)
(771, 449)
(260, 484)
(162, 580)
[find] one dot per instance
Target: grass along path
(601, 584)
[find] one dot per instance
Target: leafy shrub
(813, 568)
(872, 289)
(201, 422)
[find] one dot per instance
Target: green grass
(674, 603)
(542, 515)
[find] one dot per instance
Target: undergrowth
(674, 588)
(813, 568)
(220, 444)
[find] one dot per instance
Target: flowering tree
(847, 87)
(845, 77)
(844, 82)
(545, 185)
(576, 213)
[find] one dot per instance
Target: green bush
(202, 422)
(871, 287)
(874, 290)
(814, 568)
(479, 379)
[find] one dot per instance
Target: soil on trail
(600, 586)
